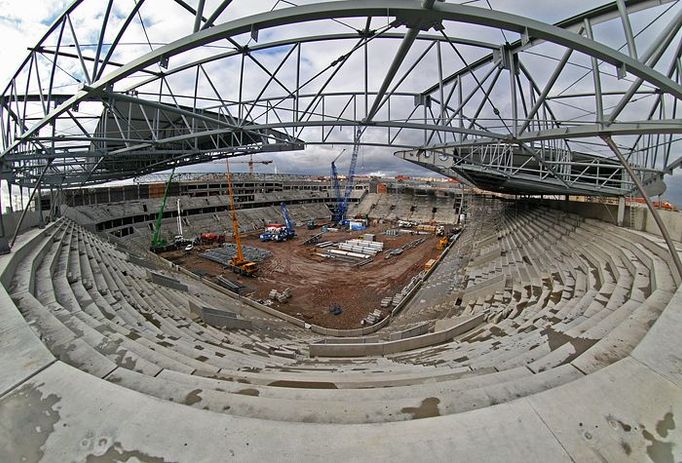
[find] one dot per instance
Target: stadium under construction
(510, 292)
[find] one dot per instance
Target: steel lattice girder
(410, 13)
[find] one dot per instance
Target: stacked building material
(224, 254)
(371, 248)
(282, 297)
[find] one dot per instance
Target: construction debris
(371, 318)
(282, 297)
(313, 239)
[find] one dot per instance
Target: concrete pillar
(621, 211)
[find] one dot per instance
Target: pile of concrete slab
(372, 318)
(282, 297)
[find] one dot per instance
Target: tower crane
(238, 264)
(251, 162)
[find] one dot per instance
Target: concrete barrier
(326, 349)
(410, 332)
(219, 318)
(360, 340)
(166, 281)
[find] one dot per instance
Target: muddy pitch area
(317, 283)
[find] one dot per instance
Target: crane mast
(233, 215)
(342, 201)
(157, 242)
(238, 263)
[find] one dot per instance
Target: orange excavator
(238, 264)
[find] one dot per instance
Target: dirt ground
(315, 282)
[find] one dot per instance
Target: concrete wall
(10, 221)
(410, 332)
(672, 221)
(325, 349)
(166, 281)
(221, 318)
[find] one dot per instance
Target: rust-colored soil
(317, 283)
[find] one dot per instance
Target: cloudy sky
(23, 22)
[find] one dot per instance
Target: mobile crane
(282, 233)
(238, 264)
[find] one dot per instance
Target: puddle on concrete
(658, 451)
(116, 452)
(33, 417)
(193, 397)
(665, 425)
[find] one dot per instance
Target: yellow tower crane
(251, 162)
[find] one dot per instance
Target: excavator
(238, 264)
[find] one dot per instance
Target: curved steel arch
(271, 122)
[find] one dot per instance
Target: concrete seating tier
(571, 320)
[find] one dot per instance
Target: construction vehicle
(159, 244)
(442, 243)
(238, 264)
(210, 238)
(278, 232)
(342, 202)
(311, 224)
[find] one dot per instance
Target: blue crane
(337, 188)
(288, 232)
(342, 202)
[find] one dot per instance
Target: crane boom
(238, 263)
(251, 162)
(233, 215)
(337, 190)
(342, 202)
(156, 237)
(350, 181)
(291, 226)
